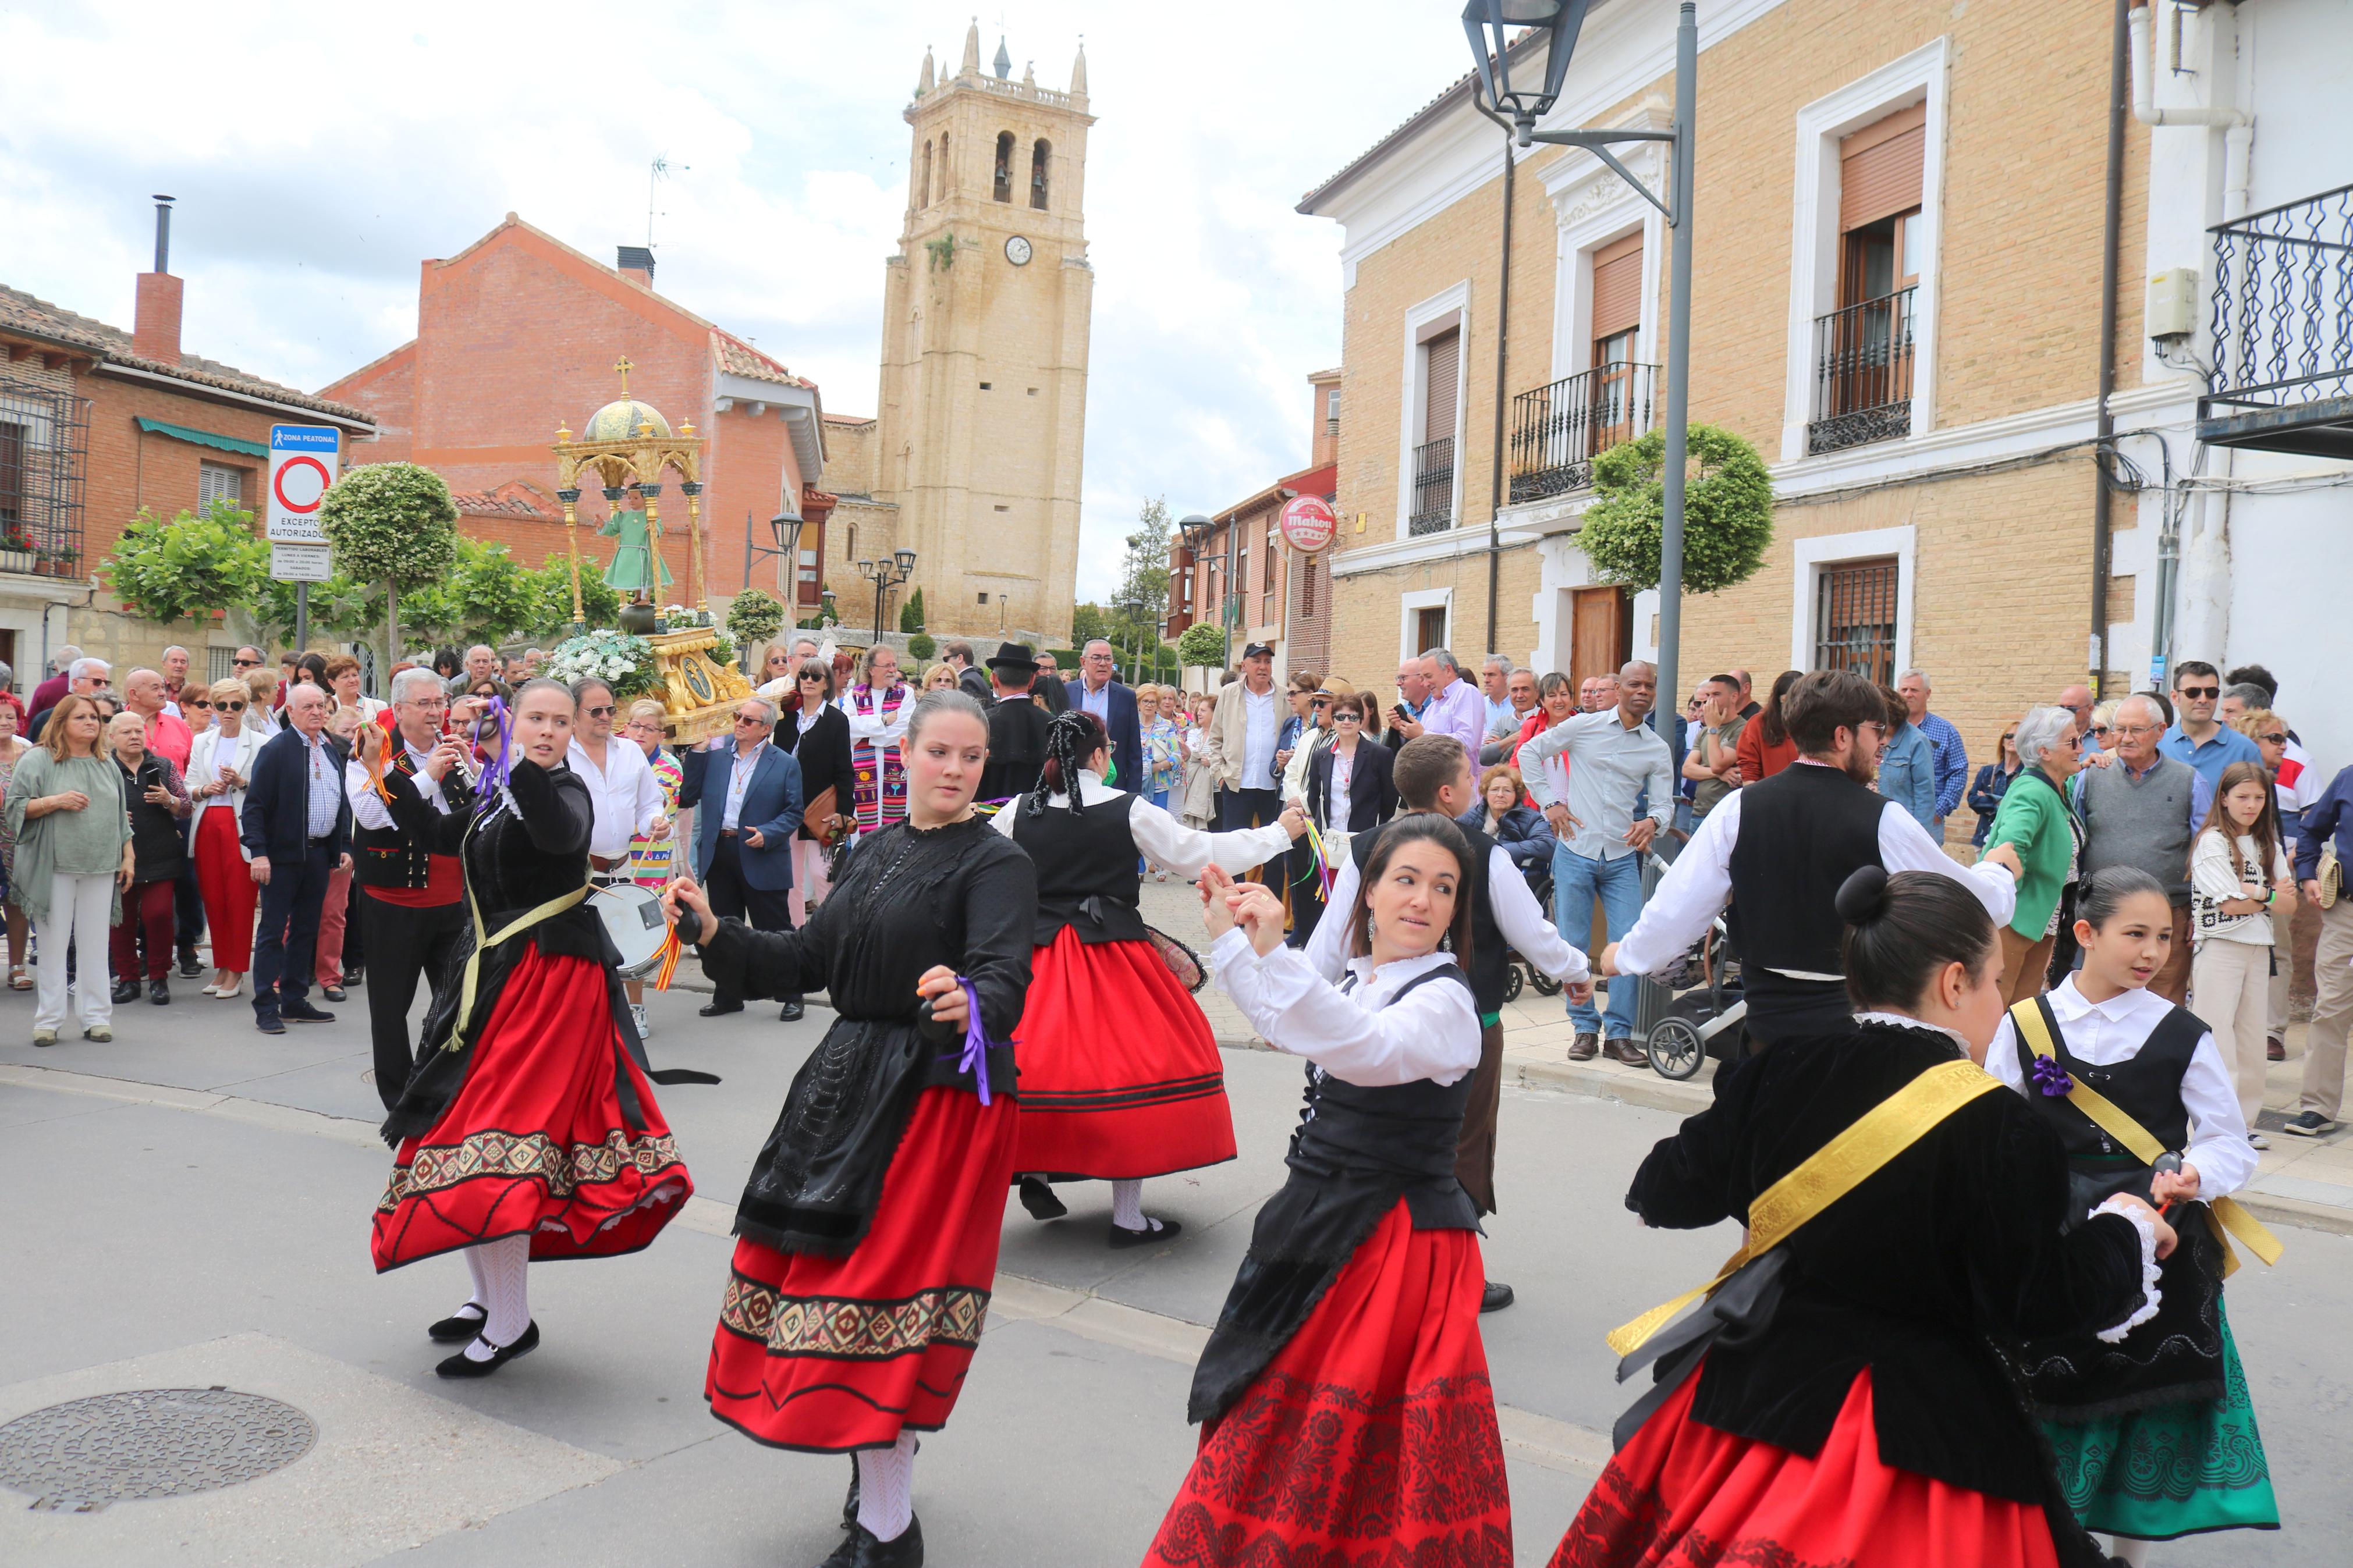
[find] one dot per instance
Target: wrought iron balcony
(1863, 374)
(44, 444)
(1557, 429)
(1433, 488)
(2283, 298)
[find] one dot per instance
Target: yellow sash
(1828, 1175)
(2226, 1216)
(485, 940)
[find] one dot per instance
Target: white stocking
(2133, 1553)
(505, 1266)
(1127, 1205)
(886, 1487)
(480, 1299)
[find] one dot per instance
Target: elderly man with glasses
(2142, 808)
(84, 677)
(750, 800)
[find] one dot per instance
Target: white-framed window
(1430, 477)
(1852, 601)
(1425, 620)
(219, 481)
(1861, 367)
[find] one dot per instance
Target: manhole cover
(80, 1455)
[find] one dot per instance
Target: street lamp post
(887, 573)
(1198, 531)
(786, 527)
(1489, 24)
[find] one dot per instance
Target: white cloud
(319, 155)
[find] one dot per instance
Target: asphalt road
(188, 1207)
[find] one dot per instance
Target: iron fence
(1863, 374)
(1557, 429)
(2283, 303)
(1433, 488)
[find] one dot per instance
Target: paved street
(189, 1208)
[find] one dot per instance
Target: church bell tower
(982, 421)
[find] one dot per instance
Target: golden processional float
(629, 445)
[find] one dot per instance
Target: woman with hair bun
(1862, 1411)
(1120, 1079)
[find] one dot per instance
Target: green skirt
(2173, 1469)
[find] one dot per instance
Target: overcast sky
(320, 152)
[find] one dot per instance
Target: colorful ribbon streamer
(502, 766)
(976, 1039)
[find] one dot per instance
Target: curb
(1622, 1084)
(2274, 1210)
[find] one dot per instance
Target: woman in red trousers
(219, 767)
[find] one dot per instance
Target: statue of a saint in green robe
(632, 571)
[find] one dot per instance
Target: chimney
(637, 265)
(155, 320)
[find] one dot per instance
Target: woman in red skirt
(1346, 1411)
(529, 1129)
(1120, 1074)
(868, 1232)
(1850, 1395)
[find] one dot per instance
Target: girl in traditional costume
(529, 1129)
(1848, 1392)
(878, 707)
(1120, 1074)
(867, 1236)
(2154, 1434)
(1345, 1410)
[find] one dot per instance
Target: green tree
(339, 608)
(1202, 647)
(1088, 622)
(1727, 512)
(1143, 595)
(910, 614)
(754, 617)
(190, 566)
(549, 587)
(921, 646)
(394, 523)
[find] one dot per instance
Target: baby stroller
(1518, 970)
(1694, 1011)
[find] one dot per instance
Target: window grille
(1854, 619)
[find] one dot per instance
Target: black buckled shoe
(1038, 1197)
(905, 1551)
(1153, 1233)
(463, 1366)
(458, 1328)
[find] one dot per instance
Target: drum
(633, 918)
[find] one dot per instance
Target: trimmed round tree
(394, 523)
(1203, 646)
(752, 618)
(1727, 512)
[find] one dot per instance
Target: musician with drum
(529, 1129)
(628, 798)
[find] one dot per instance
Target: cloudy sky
(320, 153)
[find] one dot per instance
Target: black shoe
(714, 1009)
(1584, 1048)
(270, 1023)
(458, 1328)
(190, 964)
(1495, 1296)
(1623, 1049)
(354, 977)
(463, 1366)
(335, 994)
(159, 992)
(2311, 1124)
(865, 1551)
(1153, 1233)
(791, 1011)
(300, 1011)
(125, 991)
(1039, 1198)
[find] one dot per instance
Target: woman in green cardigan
(2037, 822)
(65, 805)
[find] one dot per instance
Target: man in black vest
(411, 904)
(1434, 774)
(1809, 827)
(1017, 725)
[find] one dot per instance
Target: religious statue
(632, 570)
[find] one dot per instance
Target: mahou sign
(1307, 523)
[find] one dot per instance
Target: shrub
(1727, 512)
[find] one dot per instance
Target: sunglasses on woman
(232, 707)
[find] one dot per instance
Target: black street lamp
(887, 574)
(1198, 531)
(786, 526)
(1489, 25)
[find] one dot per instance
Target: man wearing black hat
(1017, 725)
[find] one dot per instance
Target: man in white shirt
(1246, 726)
(750, 796)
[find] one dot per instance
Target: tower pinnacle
(970, 66)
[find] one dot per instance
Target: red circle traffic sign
(302, 463)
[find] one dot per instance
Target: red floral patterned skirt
(1120, 1074)
(827, 1355)
(535, 1143)
(1370, 1440)
(1684, 1493)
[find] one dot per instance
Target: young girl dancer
(1844, 1396)
(1346, 1411)
(1120, 1074)
(2154, 1434)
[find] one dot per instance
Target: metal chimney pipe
(164, 232)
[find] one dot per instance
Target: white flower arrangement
(625, 663)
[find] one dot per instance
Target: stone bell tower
(984, 322)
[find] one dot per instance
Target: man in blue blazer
(1098, 691)
(750, 796)
(297, 826)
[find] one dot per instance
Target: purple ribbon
(502, 766)
(2051, 1078)
(975, 1059)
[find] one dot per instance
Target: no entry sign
(302, 464)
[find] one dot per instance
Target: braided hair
(1075, 735)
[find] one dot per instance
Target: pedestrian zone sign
(303, 463)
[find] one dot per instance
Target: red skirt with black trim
(1370, 1439)
(1681, 1492)
(1120, 1074)
(535, 1143)
(829, 1354)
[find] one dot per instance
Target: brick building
(98, 425)
(518, 334)
(1898, 227)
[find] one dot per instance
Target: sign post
(303, 459)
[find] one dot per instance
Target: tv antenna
(656, 173)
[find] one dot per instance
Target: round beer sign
(1307, 523)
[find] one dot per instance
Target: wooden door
(1601, 632)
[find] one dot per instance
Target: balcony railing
(1433, 488)
(44, 444)
(1863, 374)
(2282, 304)
(1557, 429)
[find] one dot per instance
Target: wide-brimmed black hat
(1015, 656)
